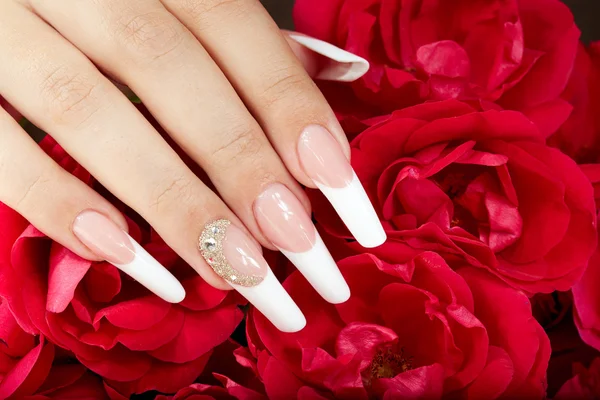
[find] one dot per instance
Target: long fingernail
(103, 237)
(286, 224)
(235, 258)
(324, 162)
(343, 66)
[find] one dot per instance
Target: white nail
(271, 299)
(346, 67)
(321, 271)
(148, 272)
(107, 240)
(354, 208)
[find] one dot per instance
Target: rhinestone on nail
(210, 244)
(211, 248)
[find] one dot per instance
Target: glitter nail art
(211, 248)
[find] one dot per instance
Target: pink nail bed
(105, 238)
(324, 162)
(242, 253)
(322, 158)
(283, 219)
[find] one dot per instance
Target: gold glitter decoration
(211, 248)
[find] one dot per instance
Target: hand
(222, 80)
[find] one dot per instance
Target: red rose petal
(200, 295)
(279, 382)
(419, 383)
(156, 336)
(89, 386)
(28, 374)
(61, 376)
(102, 282)
(191, 342)
(137, 314)
(66, 271)
(495, 377)
(319, 24)
(516, 332)
(163, 377)
(119, 364)
(13, 340)
(363, 340)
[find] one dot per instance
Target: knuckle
(171, 191)
(240, 144)
(151, 35)
(28, 197)
(204, 10)
(71, 96)
(285, 84)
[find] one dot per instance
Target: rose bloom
(586, 296)
(30, 367)
(476, 186)
(114, 326)
(412, 329)
(516, 53)
(579, 137)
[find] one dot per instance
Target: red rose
(516, 53)
(412, 329)
(579, 137)
(29, 368)
(478, 186)
(113, 325)
(584, 385)
(585, 293)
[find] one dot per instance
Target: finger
(99, 127)
(231, 146)
(322, 60)
(71, 213)
(147, 48)
(289, 107)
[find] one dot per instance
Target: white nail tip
(348, 67)
(354, 208)
(149, 273)
(321, 271)
(271, 299)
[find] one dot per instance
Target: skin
(218, 75)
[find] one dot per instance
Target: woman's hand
(221, 79)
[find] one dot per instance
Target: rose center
(387, 364)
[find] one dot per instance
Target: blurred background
(586, 12)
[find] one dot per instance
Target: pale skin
(226, 84)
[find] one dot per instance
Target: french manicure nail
(343, 66)
(235, 258)
(107, 240)
(286, 224)
(324, 162)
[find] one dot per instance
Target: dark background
(587, 15)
